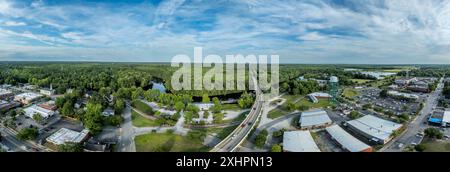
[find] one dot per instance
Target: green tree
(261, 138)
(354, 115)
(67, 109)
(420, 147)
(119, 106)
(383, 93)
(38, 118)
(70, 147)
(93, 118)
(205, 98)
(246, 100)
(179, 106)
(276, 148)
(27, 134)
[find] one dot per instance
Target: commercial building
(436, 118)
(405, 81)
(5, 105)
(50, 105)
(314, 119)
(446, 119)
(27, 98)
(47, 92)
(5, 93)
(64, 135)
(375, 129)
(320, 95)
(404, 95)
(36, 110)
(299, 141)
(346, 140)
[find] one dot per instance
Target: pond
(159, 86)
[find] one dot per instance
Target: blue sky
(300, 31)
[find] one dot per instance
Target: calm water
(159, 86)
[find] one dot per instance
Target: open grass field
(222, 133)
(275, 113)
(233, 107)
(437, 146)
(141, 106)
(321, 104)
(349, 93)
(167, 142)
(361, 81)
(139, 121)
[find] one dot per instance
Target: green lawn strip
(437, 146)
(167, 142)
(139, 121)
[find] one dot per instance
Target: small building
(404, 95)
(320, 95)
(5, 93)
(417, 88)
(5, 105)
(436, 118)
(314, 119)
(47, 92)
(405, 81)
(446, 119)
(27, 98)
(64, 135)
(346, 140)
(299, 141)
(204, 106)
(36, 110)
(313, 99)
(375, 129)
(50, 105)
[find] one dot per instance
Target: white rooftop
(375, 127)
(446, 117)
(32, 110)
(346, 140)
(299, 141)
(4, 91)
(29, 95)
(319, 94)
(396, 93)
(315, 117)
(64, 135)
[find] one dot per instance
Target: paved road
(126, 141)
(10, 139)
(419, 124)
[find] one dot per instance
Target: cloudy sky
(300, 31)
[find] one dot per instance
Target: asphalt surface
(419, 124)
(126, 140)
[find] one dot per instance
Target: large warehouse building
(299, 141)
(27, 98)
(314, 119)
(373, 128)
(347, 141)
(65, 135)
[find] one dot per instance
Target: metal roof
(299, 141)
(446, 117)
(315, 117)
(346, 140)
(375, 127)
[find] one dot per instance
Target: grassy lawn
(321, 104)
(360, 81)
(139, 121)
(141, 106)
(233, 107)
(437, 146)
(222, 132)
(167, 142)
(275, 113)
(350, 93)
(241, 117)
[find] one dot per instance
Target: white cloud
(13, 23)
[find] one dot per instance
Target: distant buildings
(313, 99)
(404, 81)
(36, 110)
(5, 93)
(27, 98)
(50, 105)
(47, 92)
(373, 128)
(299, 141)
(64, 135)
(314, 119)
(5, 105)
(347, 141)
(404, 95)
